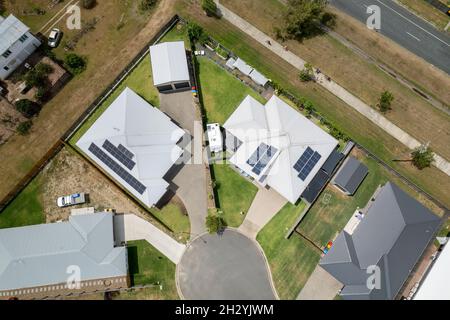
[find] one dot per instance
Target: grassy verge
(234, 194)
(222, 92)
(147, 266)
(26, 209)
(291, 261)
(428, 12)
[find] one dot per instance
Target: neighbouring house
(170, 67)
(17, 43)
(37, 262)
(374, 259)
(350, 176)
(215, 137)
(436, 283)
(277, 146)
(135, 144)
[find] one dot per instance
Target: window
(23, 38)
(165, 88)
(7, 53)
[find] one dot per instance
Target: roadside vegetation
(428, 12)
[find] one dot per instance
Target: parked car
(54, 38)
(71, 200)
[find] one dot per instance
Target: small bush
(385, 101)
(75, 63)
(89, 4)
(210, 7)
(24, 127)
(214, 223)
(27, 107)
(38, 76)
(422, 157)
(146, 5)
(307, 74)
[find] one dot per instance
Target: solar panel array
(119, 155)
(261, 158)
(115, 167)
(306, 163)
(125, 151)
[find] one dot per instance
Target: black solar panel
(125, 151)
(119, 155)
(301, 162)
(264, 161)
(114, 166)
(256, 156)
(309, 166)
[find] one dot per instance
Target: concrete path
(354, 102)
(265, 206)
(129, 227)
(320, 286)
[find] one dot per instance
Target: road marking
(448, 26)
(65, 13)
(57, 14)
(413, 36)
(448, 45)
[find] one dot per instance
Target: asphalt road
(405, 28)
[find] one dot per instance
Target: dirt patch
(9, 120)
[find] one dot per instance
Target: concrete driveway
(189, 179)
(224, 267)
(129, 227)
(320, 286)
(265, 206)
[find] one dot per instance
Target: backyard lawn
(291, 261)
(221, 92)
(26, 209)
(234, 194)
(147, 266)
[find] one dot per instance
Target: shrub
(38, 76)
(146, 5)
(385, 101)
(75, 63)
(27, 107)
(24, 127)
(89, 4)
(214, 223)
(422, 157)
(210, 7)
(196, 33)
(307, 74)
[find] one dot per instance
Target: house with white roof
(17, 43)
(136, 144)
(170, 67)
(37, 261)
(277, 146)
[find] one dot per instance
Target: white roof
(436, 285)
(242, 66)
(215, 137)
(258, 77)
(147, 133)
(290, 133)
(11, 29)
(169, 63)
(40, 255)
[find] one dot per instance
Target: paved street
(224, 267)
(405, 28)
(354, 102)
(130, 227)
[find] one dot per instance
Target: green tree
(214, 223)
(24, 127)
(27, 107)
(89, 4)
(146, 5)
(422, 157)
(385, 101)
(38, 76)
(196, 33)
(210, 7)
(307, 74)
(75, 63)
(304, 19)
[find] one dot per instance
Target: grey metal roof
(350, 176)
(393, 235)
(169, 63)
(11, 29)
(39, 255)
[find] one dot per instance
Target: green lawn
(173, 215)
(26, 209)
(140, 81)
(291, 261)
(148, 266)
(177, 33)
(234, 194)
(221, 92)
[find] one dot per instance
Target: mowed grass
(26, 209)
(173, 215)
(177, 33)
(234, 194)
(140, 80)
(221, 91)
(148, 266)
(292, 260)
(334, 110)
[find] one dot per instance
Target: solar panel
(115, 167)
(304, 173)
(119, 155)
(264, 161)
(256, 156)
(125, 151)
(301, 162)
